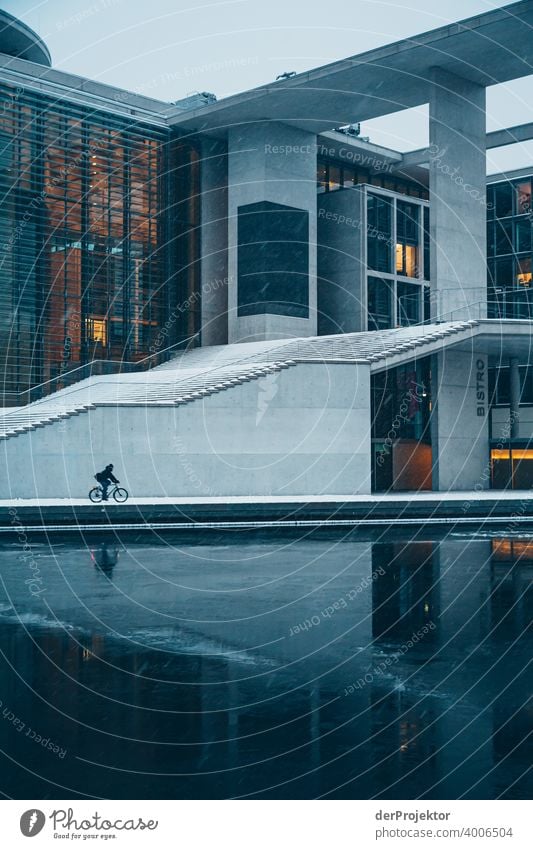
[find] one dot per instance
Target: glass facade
(397, 260)
(509, 249)
(85, 240)
(401, 432)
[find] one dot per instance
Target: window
(408, 297)
(349, 178)
(379, 304)
(96, 330)
(500, 389)
(379, 233)
(503, 272)
(523, 271)
(427, 254)
(322, 177)
(334, 174)
(407, 236)
(503, 200)
(504, 236)
(406, 260)
(522, 235)
(523, 197)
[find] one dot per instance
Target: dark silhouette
(105, 478)
(105, 558)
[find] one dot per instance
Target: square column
(271, 232)
(457, 184)
(460, 421)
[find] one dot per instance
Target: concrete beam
(498, 138)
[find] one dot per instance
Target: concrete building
(249, 302)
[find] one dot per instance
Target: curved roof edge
(18, 39)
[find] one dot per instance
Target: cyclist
(106, 478)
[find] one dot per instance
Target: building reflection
(405, 590)
(511, 573)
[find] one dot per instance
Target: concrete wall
(342, 302)
(276, 163)
(302, 431)
(459, 421)
(214, 242)
(457, 182)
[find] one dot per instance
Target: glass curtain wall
(509, 249)
(84, 236)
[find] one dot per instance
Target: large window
(401, 433)
(379, 233)
(395, 229)
(409, 299)
(380, 304)
(407, 239)
(509, 250)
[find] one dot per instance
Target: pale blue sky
(169, 48)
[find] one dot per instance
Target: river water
(218, 665)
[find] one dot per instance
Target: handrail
(89, 365)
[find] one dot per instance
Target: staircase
(175, 387)
(196, 374)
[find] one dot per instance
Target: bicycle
(118, 492)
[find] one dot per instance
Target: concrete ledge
(504, 508)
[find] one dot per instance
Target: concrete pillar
(273, 164)
(460, 421)
(342, 296)
(457, 183)
(514, 397)
(214, 242)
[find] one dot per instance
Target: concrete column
(514, 397)
(273, 163)
(460, 421)
(342, 296)
(214, 242)
(457, 183)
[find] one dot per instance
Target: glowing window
(97, 330)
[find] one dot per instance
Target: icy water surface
(239, 665)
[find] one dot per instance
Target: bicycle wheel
(120, 494)
(95, 494)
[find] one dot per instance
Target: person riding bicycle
(106, 478)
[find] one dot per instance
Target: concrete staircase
(196, 374)
(175, 387)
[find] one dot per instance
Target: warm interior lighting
(522, 454)
(524, 279)
(410, 260)
(97, 330)
(506, 549)
(499, 454)
(399, 259)
(406, 260)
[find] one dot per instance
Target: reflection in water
(187, 678)
(105, 558)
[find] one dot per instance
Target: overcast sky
(169, 48)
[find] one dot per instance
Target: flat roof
(486, 49)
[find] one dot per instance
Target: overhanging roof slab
(487, 49)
